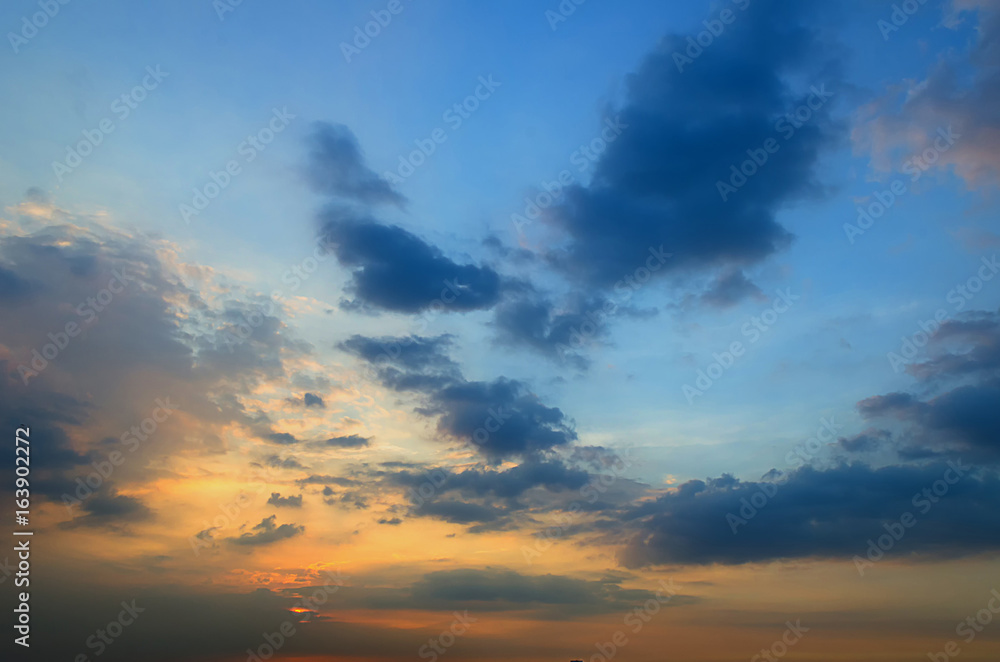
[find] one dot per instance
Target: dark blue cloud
(557, 333)
(394, 270)
(866, 442)
(554, 475)
(978, 333)
(13, 288)
(108, 509)
(681, 133)
(337, 168)
(412, 353)
(965, 418)
(833, 512)
(729, 289)
(816, 514)
(501, 586)
(460, 512)
(500, 418)
(962, 374)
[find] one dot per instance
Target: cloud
(816, 513)
(833, 512)
(223, 623)
(285, 502)
(409, 363)
(556, 333)
(730, 289)
(317, 479)
(48, 416)
(490, 500)
(307, 400)
(501, 418)
(282, 438)
(279, 462)
(869, 441)
(123, 325)
(356, 499)
(109, 509)
(974, 351)
(13, 288)
(268, 532)
(681, 131)
(349, 441)
(337, 168)
(959, 92)
(965, 418)
(459, 512)
(552, 474)
(501, 589)
(959, 410)
(394, 270)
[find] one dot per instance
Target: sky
(535, 330)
